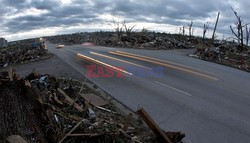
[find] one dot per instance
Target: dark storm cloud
(175, 12)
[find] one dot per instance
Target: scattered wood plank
(104, 109)
(56, 100)
(72, 130)
(153, 126)
(27, 83)
(68, 117)
(128, 120)
(93, 99)
(83, 135)
(10, 73)
(70, 100)
(16, 139)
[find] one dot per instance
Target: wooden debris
(27, 83)
(16, 139)
(83, 135)
(70, 100)
(176, 137)
(42, 110)
(146, 40)
(72, 130)
(153, 126)
(93, 99)
(75, 118)
(10, 73)
(104, 109)
(128, 120)
(68, 117)
(56, 100)
(22, 52)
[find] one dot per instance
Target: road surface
(210, 103)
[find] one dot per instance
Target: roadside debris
(143, 40)
(223, 52)
(23, 52)
(43, 108)
(226, 54)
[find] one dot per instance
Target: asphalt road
(210, 103)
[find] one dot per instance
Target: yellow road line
(155, 59)
(97, 54)
(166, 65)
(102, 63)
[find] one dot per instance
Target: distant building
(3, 43)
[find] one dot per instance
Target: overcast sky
(22, 19)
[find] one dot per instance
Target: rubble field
(41, 108)
(143, 40)
(225, 54)
(219, 51)
(21, 52)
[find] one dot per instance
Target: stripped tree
(247, 34)
(205, 28)
(215, 27)
(128, 29)
(182, 30)
(190, 28)
(118, 27)
(238, 30)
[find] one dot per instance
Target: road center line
(166, 65)
(154, 59)
(97, 54)
(102, 63)
(173, 88)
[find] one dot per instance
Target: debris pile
(23, 52)
(46, 109)
(226, 54)
(146, 40)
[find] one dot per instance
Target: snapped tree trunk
(215, 27)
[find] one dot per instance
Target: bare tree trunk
(206, 25)
(190, 28)
(183, 30)
(242, 36)
(215, 27)
(204, 31)
(240, 33)
(247, 35)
